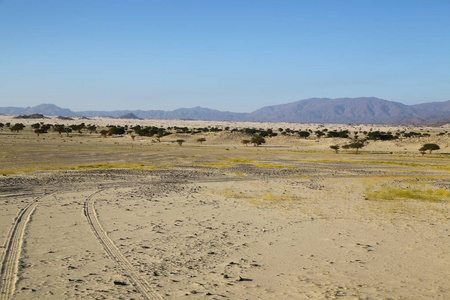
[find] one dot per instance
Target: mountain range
(364, 110)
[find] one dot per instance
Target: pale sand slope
(233, 236)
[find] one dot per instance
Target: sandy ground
(83, 217)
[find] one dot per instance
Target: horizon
(138, 109)
(228, 56)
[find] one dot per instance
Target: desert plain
(89, 217)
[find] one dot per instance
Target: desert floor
(85, 217)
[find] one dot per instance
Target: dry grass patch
(273, 166)
(412, 198)
(407, 193)
(270, 198)
(217, 165)
(237, 160)
(259, 195)
(444, 166)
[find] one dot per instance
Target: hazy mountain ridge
(45, 109)
(363, 110)
(341, 110)
(196, 113)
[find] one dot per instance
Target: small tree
(91, 129)
(257, 140)
(67, 130)
(180, 142)
(335, 148)
(201, 140)
(77, 127)
(429, 147)
(116, 130)
(104, 133)
(356, 145)
(303, 134)
(58, 128)
(17, 127)
(245, 142)
(160, 133)
(319, 133)
(39, 131)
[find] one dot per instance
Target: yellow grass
(443, 166)
(402, 193)
(237, 160)
(217, 165)
(274, 166)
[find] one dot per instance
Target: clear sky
(235, 55)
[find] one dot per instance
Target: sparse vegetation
(17, 127)
(356, 145)
(257, 140)
(303, 134)
(335, 148)
(429, 147)
(407, 193)
(201, 140)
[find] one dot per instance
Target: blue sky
(235, 55)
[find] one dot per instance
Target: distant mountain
(129, 116)
(195, 113)
(341, 110)
(46, 109)
(200, 113)
(364, 110)
(433, 110)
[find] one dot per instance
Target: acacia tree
(303, 134)
(77, 127)
(91, 129)
(104, 133)
(59, 128)
(17, 127)
(39, 131)
(356, 145)
(180, 142)
(257, 140)
(335, 148)
(201, 140)
(319, 133)
(245, 142)
(116, 130)
(429, 147)
(67, 130)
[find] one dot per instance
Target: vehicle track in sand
(140, 283)
(13, 248)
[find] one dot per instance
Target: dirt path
(140, 283)
(10, 257)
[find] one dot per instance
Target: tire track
(140, 283)
(13, 248)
